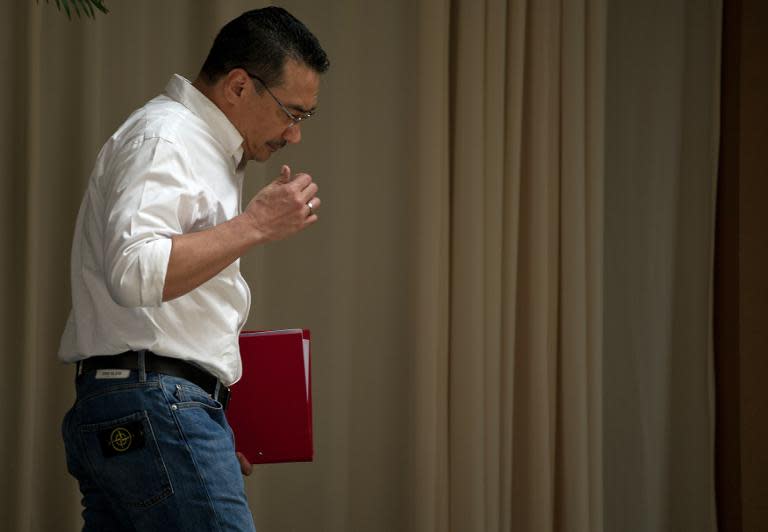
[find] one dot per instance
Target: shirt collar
(181, 90)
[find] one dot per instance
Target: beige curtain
(662, 128)
(526, 266)
(475, 329)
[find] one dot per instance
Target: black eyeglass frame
(295, 119)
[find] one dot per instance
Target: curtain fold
(430, 304)
(526, 241)
(662, 93)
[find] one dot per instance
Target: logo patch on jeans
(121, 439)
(113, 373)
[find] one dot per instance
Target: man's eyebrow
(300, 109)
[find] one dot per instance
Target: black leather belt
(159, 364)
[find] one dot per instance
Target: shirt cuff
(153, 266)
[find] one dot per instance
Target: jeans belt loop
(142, 361)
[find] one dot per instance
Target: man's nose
(292, 134)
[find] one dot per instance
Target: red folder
(270, 409)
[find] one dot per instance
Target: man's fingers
(315, 204)
(309, 192)
(285, 173)
(245, 466)
(301, 181)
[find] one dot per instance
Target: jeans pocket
(125, 460)
(192, 396)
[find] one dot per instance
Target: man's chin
(262, 155)
(265, 152)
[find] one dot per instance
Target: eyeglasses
(295, 119)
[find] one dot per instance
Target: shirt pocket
(125, 460)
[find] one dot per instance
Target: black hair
(260, 41)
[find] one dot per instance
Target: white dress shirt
(171, 168)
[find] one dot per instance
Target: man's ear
(235, 84)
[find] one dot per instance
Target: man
(158, 299)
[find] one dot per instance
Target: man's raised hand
(280, 209)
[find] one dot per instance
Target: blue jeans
(153, 452)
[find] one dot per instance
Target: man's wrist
(243, 224)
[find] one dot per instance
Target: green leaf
(89, 8)
(82, 8)
(99, 4)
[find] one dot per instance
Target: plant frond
(89, 9)
(99, 4)
(81, 8)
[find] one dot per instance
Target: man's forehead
(300, 86)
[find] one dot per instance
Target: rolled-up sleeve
(150, 196)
